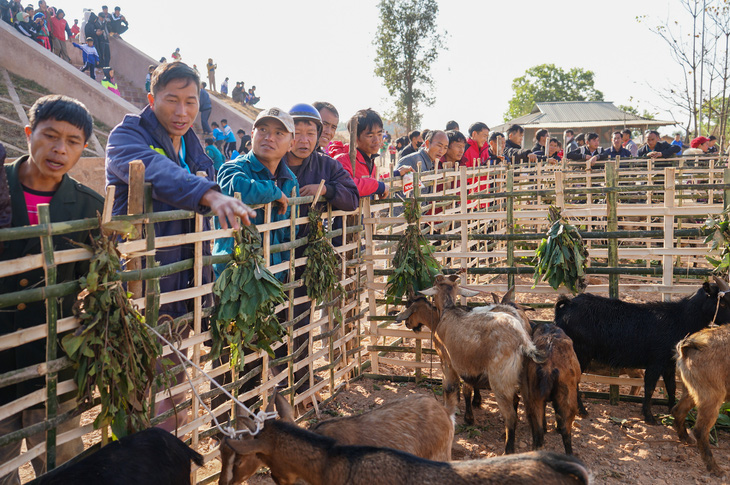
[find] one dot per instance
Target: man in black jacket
(513, 150)
(591, 152)
(416, 140)
(654, 148)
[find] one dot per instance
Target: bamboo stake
(135, 205)
(613, 280)
(667, 260)
(464, 227)
(49, 267)
(510, 228)
(197, 311)
(292, 275)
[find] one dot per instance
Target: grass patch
(3, 88)
(8, 111)
(27, 97)
(21, 82)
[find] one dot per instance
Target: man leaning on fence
(161, 136)
(58, 131)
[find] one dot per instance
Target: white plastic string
(258, 418)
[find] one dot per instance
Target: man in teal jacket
(261, 176)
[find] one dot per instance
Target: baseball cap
(278, 114)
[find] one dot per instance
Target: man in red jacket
(59, 28)
(369, 141)
(477, 152)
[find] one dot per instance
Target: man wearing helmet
(311, 166)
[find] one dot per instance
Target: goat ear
(244, 422)
(721, 284)
(495, 297)
(405, 313)
(439, 278)
(509, 296)
(454, 277)
(467, 292)
(244, 447)
(430, 291)
(284, 409)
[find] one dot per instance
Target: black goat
(639, 335)
(151, 457)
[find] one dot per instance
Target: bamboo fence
(641, 222)
(335, 353)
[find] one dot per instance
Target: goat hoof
(469, 420)
(583, 413)
(649, 418)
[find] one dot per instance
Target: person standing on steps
(211, 74)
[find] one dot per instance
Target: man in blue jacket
(261, 177)
(161, 136)
(205, 108)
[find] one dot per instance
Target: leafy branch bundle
(113, 350)
(561, 258)
(321, 273)
(248, 294)
(720, 238)
(414, 267)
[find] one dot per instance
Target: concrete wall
(132, 63)
(23, 57)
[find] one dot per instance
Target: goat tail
(546, 380)
(196, 457)
(696, 341)
(529, 350)
(567, 465)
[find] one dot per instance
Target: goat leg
(706, 417)
(670, 384)
(506, 407)
(679, 412)
(651, 377)
(477, 400)
(469, 413)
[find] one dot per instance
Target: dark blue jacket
(342, 192)
(205, 100)
(250, 178)
(141, 137)
(612, 153)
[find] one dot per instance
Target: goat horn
(404, 314)
(721, 284)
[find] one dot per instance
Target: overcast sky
(303, 51)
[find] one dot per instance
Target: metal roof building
(603, 117)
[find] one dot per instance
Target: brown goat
(291, 453)
(418, 425)
(554, 380)
(703, 362)
(476, 345)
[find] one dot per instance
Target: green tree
(549, 83)
(408, 43)
(634, 111)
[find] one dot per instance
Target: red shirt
(32, 199)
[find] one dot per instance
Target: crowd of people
(485, 147)
(49, 28)
(238, 94)
(288, 153)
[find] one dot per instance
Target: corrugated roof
(575, 113)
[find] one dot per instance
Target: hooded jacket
(257, 185)
(366, 172)
(142, 137)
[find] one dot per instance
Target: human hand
(589, 162)
(386, 193)
(532, 157)
(654, 154)
(405, 169)
(311, 189)
(227, 208)
(283, 202)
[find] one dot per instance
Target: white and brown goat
(291, 453)
(417, 424)
(477, 345)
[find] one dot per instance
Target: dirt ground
(613, 441)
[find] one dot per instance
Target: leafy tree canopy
(408, 43)
(547, 82)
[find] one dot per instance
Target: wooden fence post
(669, 202)
(49, 267)
(726, 192)
(613, 279)
(510, 226)
(290, 313)
(197, 308)
(464, 225)
(135, 205)
(372, 305)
